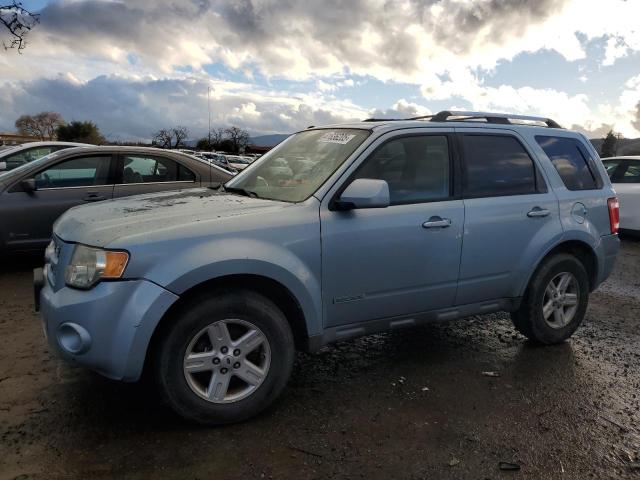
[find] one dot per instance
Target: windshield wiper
(241, 191)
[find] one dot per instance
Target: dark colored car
(34, 195)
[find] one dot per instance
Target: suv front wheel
(224, 358)
(555, 302)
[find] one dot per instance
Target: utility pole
(618, 137)
(209, 108)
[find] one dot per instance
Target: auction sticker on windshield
(336, 137)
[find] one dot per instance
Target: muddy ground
(411, 404)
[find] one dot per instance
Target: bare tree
(217, 135)
(43, 125)
(170, 137)
(163, 138)
(180, 134)
(238, 137)
(18, 21)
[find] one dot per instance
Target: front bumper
(107, 328)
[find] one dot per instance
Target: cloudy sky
(277, 66)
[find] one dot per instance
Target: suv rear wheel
(224, 358)
(555, 302)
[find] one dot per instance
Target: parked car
(218, 159)
(625, 176)
(28, 152)
(238, 162)
(33, 196)
(401, 223)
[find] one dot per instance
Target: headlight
(90, 265)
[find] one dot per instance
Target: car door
(510, 214)
(403, 259)
(626, 182)
(145, 173)
(28, 216)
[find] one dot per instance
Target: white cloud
(444, 46)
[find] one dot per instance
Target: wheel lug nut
(224, 349)
(236, 365)
(236, 352)
(223, 370)
(216, 361)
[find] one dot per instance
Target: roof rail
(501, 118)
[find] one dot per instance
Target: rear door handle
(94, 197)
(538, 212)
(437, 222)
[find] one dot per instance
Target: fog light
(73, 338)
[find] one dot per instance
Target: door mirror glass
(3, 166)
(28, 185)
(365, 193)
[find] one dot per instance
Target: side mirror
(28, 185)
(364, 193)
(3, 166)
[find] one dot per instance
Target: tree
(203, 144)
(180, 134)
(18, 21)
(217, 135)
(170, 137)
(85, 132)
(239, 138)
(609, 145)
(162, 138)
(43, 125)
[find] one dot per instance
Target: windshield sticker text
(336, 137)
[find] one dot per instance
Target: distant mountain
(626, 146)
(267, 140)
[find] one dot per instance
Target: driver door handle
(437, 222)
(94, 197)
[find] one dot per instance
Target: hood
(104, 222)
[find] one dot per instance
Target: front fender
(296, 267)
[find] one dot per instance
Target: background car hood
(104, 222)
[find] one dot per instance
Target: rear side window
(497, 165)
(142, 169)
(571, 160)
(629, 172)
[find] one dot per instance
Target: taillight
(614, 214)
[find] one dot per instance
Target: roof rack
(463, 116)
(501, 118)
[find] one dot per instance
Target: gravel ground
(411, 404)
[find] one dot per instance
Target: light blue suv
(339, 231)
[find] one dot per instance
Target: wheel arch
(266, 286)
(580, 249)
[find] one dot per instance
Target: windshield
(296, 168)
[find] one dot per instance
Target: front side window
(497, 165)
(415, 168)
(570, 160)
(297, 167)
(143, 169)
(611, 166)
(76, 172)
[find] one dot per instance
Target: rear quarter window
(572, 161)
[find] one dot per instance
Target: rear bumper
(107, 328)
(607, 254)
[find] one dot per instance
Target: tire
(183, 386)
(529, 319)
